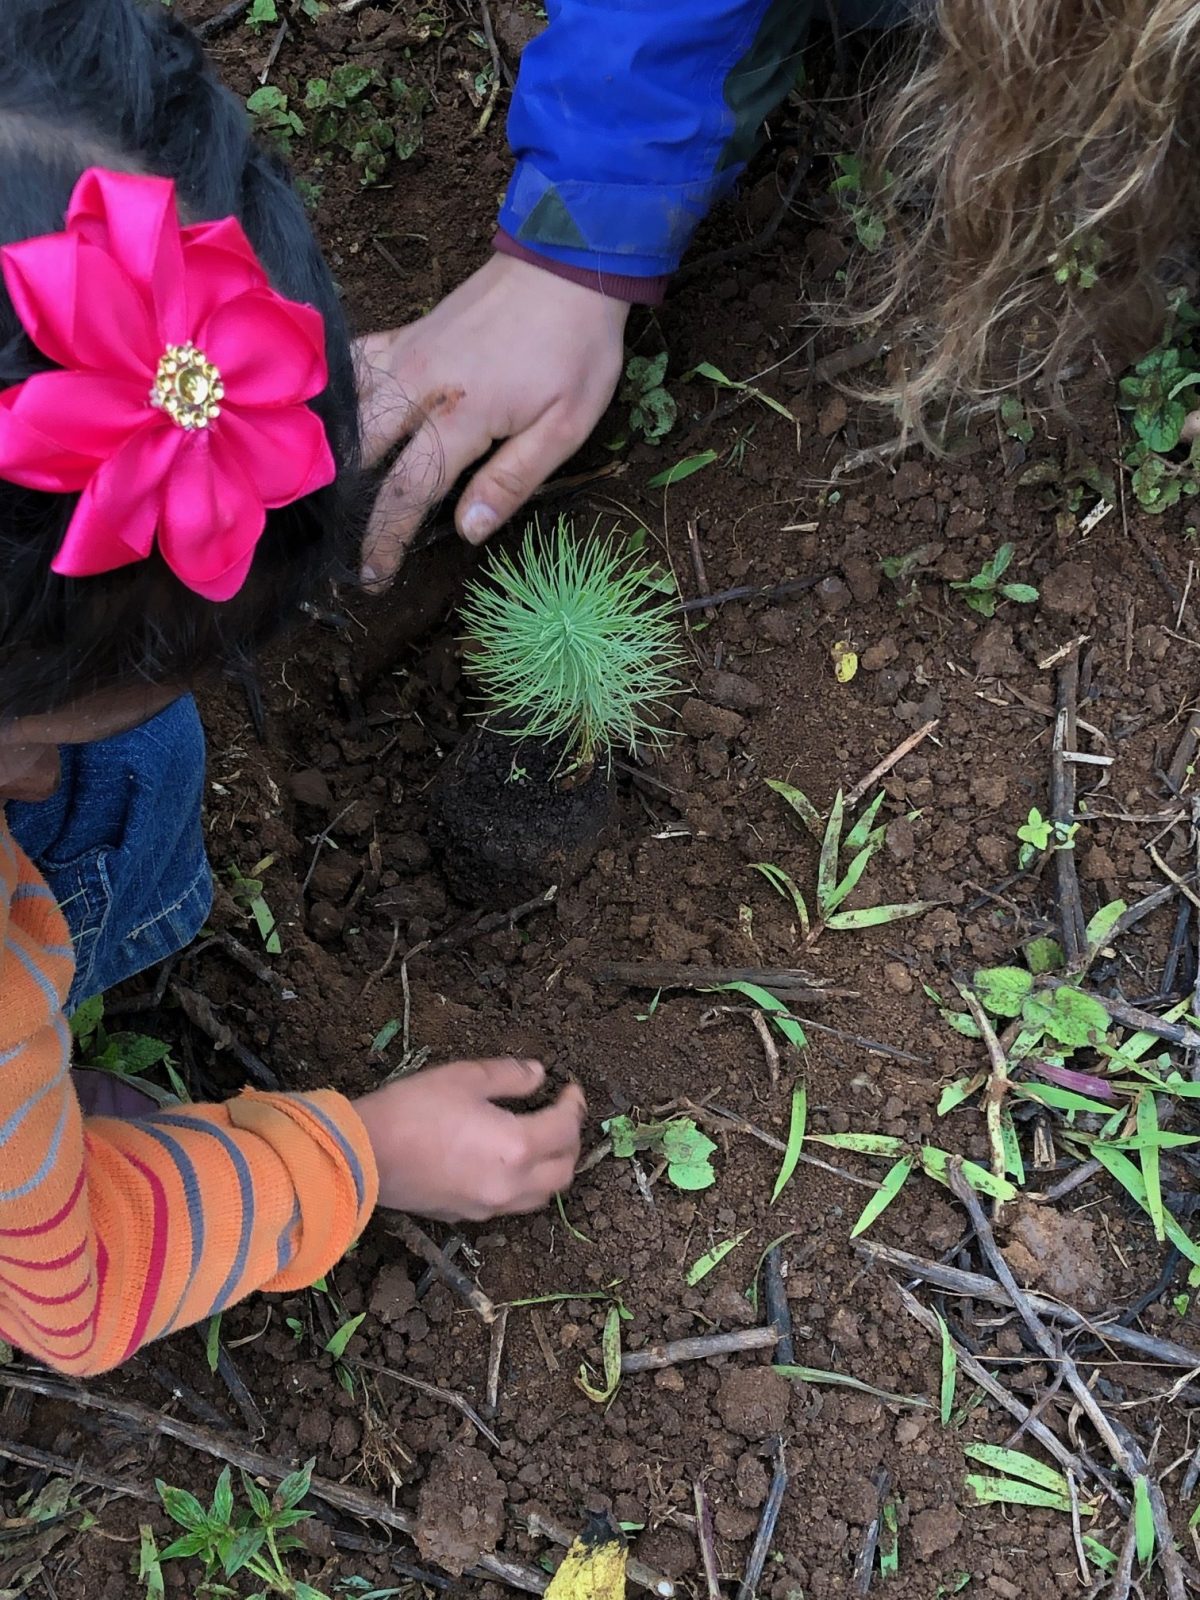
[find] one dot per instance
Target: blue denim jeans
(120, 844)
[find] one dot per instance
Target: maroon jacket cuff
(631, 290)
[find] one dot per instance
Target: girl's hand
(444, 1150)
(515, 356)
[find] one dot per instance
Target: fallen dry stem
(418, 1241)
(975, 1286)
(656, 1356)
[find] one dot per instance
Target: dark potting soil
(336, 803)
(507, 822)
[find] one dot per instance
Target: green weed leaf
(801, 805)
(877, 916)
(1068, 1015)
(1002, 990)
(795, 1141)
(828, 862)
(688, 1152)
(949, 1372)
(884, 1195)
(336, 1346)
(682, 469)
(701, 1268)
(1143, 1521)
(841, 1380)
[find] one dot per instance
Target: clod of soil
(753, 1401)
(934, 1531)
(506, 824)
(1055, 1251)
(460, 1512)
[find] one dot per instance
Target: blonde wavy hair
(1042, 162)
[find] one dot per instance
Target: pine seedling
(570, 644)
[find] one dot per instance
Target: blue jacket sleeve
(632, 117)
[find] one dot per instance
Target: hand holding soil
(514, 355)
(445, 1150)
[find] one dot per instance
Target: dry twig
(706, 1540)
(882, 768)
(761, 1547)
(698, 1349)
(450, 1396)
(418, 1241)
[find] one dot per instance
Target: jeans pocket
(83, 890)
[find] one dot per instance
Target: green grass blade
(801, 805)
(1016, 1464)
(682, 469)
(1014, 1162)
(795, 1141)
(842, 1380)
(752, 1291)
(1011, 1492)
(336, 1347)
(780, 1016)
(212, 1342)
(853, 873)
(935, 1162)
(785, 885)
(861, 831)
(827, 865)
(1143, 1521)
(1147, 1128)
(1119, 1166)
(949, 1372)
(866, 1144)
(876, 916)
(884, 1195)
(701, 1268)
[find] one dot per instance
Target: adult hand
(515, 356)
(444, 1150)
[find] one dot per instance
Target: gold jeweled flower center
(187, 387)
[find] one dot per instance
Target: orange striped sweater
(113, 1233)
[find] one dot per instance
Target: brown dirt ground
(359, 716)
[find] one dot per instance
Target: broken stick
(418, 1241)
(698, 1349)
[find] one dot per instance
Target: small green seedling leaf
(842, 1380)
(1099, 929)
(784, 885)
(961, 1021)
(795, 1141)
(884, 1195)
(1147, 1133)
(828, 861)
(336, 1347)
(149, 1571)
(957, 1093)
(701, 1268)
(889, 1541)
(1012, 1492)
(1119, 1166)
(779, 1015)
(688, 1151)
(385, 1035)
(1016, 1464)
(682, 469)
(1002, 990)
(610, 1346)
(1014, 1162)
(801, 805)
(212, 1342)
(865, 1144)
(1044, 955)
(936, 1162)
(1067, 1015)
(860, 833)
(1143, 1521)
(876, 916)
(949, 1372)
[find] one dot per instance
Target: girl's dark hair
(120, 84)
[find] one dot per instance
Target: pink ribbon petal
(56, 428)
(80, 307)
(219, 264)
(134, 219)
(119, 510)
(212, 520)
(285, 454)
(270, 351)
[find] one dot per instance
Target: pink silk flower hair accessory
(178, 415)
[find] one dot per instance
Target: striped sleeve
(114, 1233)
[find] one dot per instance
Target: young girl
(178, 447)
